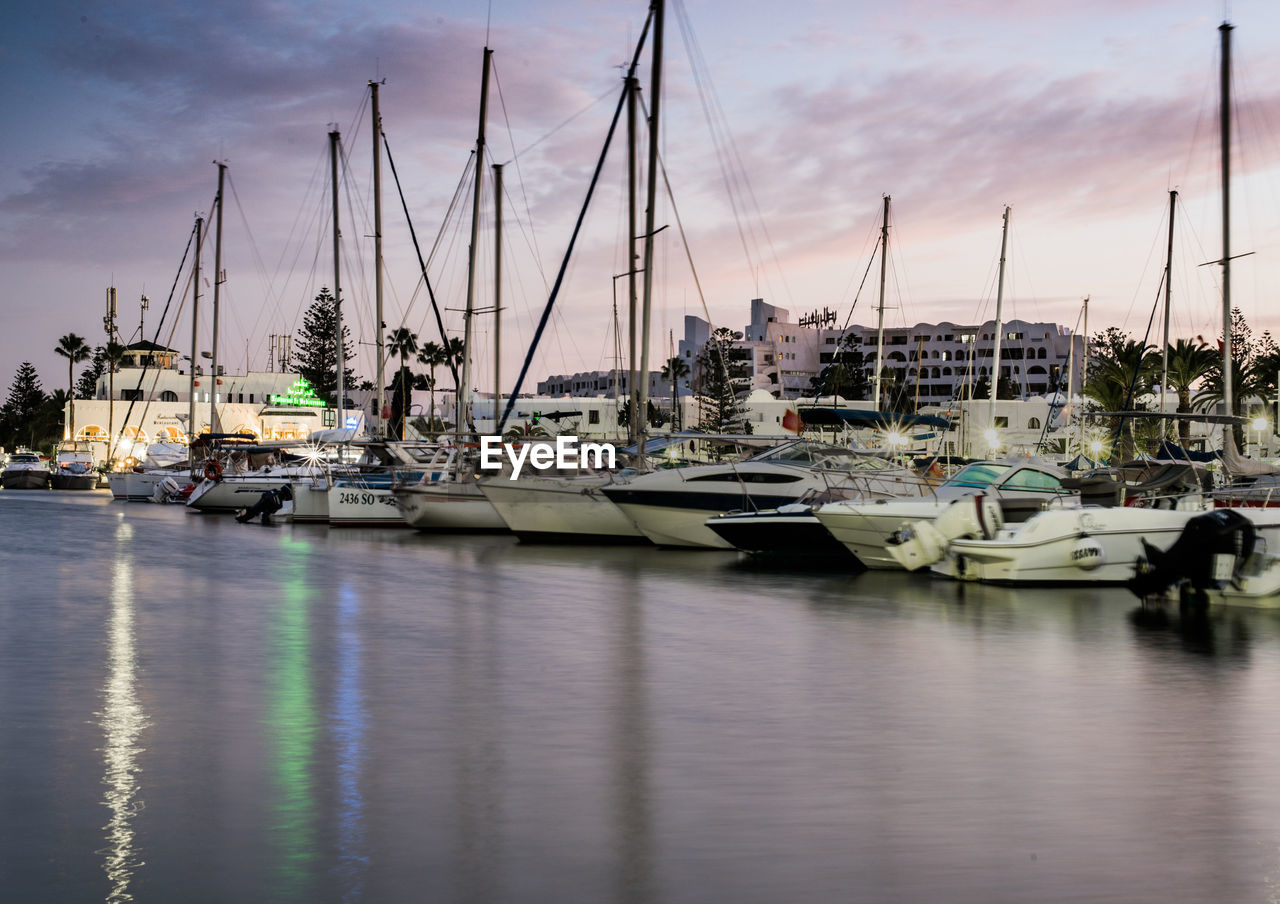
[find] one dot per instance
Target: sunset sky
(779, 140)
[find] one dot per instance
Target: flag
(791, 421)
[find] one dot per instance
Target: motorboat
(73, 467)
(25, 471)
(793, 532)
(1016, 488)
(1088, 543)
(671, 507)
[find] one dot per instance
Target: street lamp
(1259, 426)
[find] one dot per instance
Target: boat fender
(213, 471)
(1087, 553)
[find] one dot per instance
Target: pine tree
(314, 357)
(87, 385)
(721, 367)
(20, 411)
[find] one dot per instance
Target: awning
(857, 417)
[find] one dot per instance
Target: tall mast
(1084, 364)
(641, 411)
(464, 390)
(1168, 296)
(217, 284)
(381, 429)
(884, 260)
(341, 420)
(195, 335)
(995, 368)
(497, 293)
(1225, 105)
(633, 382)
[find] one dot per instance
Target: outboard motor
(1207, 555)
(167, 490)
(268, 504)
(925, 542)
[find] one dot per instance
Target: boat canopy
(857, 417)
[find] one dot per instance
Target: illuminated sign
(300, 395)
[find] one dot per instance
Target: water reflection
(631, 749)
(293, 722)
(349, 731)
(122, 720)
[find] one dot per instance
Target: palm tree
(1118, 373)
(1190, 361)
(432, 355)
(673, 371)
(403, 342)
(75, 350)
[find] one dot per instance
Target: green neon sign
(300, 395)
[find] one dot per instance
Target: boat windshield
(807, 454)
(981, 474)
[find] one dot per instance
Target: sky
(782, 128)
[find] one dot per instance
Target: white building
(148, 400)
(934, 361)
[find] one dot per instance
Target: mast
(1084, 365)
(217, 284)
(381, 429)
(1168, 296)
(109, 322)
(340, 420)
(633, 382)
(641, 412)
(195, 323)
(464, 390)
(497, 293)
(995, 368)
(1225, 105)
(884, 258)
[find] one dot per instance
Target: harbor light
(1259, 424)
(1095, 446)
(993, 439)
(895, 438)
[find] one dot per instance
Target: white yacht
(671, 508)
(568, 508)
(25, 471)
(1020, 487)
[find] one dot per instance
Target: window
(1031, 479)
(593, 416)
(1032, 423)
(131, 395)
(170, 396)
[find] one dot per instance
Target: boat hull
(1084, 546)
(549, 511)
(25, 479)
(781, 534)
(85, 481)
(451, 507)
(864, 529)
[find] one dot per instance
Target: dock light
(993, 439)
(1259, 424)
(1095, 446)
(895, 438)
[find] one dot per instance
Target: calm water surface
(197, 710)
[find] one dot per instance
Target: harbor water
(197, 710)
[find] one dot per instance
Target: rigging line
(422, 264)
(191, 239)
(595, 178)
(1156, 241)
(842, 349)
(515, 159)
(299, 228)
(697, 59)
(1137, 370)
(272, 298)
(684, 239)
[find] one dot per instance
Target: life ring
(213, 471)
